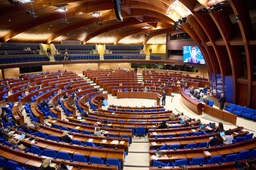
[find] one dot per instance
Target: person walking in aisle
(222, 101)
(163, 98)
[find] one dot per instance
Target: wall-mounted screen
(192, 54)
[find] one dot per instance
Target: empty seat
(215, 159)
(231, 157)
(180, 162)
(79, 158)
(245, 154)
(197, 161)
(63, 155)
(96, 160)
(113, 161)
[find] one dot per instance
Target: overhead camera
(31, 13)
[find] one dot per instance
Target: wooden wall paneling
(11, 72)
(198, 29)
(79, 68)
(52, 68)
(240, 9)
(227, 32)
(253, 101)
(242, 93)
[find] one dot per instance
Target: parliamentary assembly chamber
(71, 72)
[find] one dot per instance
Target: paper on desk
(154, 126)
(77, 127)
(115, 142)
(122, 142)
(153, 143)
(154, 133)
(54, 121)
(193, 130)
(90, 140)
(235, 133)
(69, 167)
(207, 153)
(104, 141)
(154, 157)
(71, 136)
(207, 127)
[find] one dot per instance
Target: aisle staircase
(140, 78)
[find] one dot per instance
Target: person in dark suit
(65, 137)
(222, 101)
(163, 97)
(162, 125)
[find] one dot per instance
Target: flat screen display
(193, 55)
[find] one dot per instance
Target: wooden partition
(193, 105)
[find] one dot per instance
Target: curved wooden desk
(193, 105)
(144, 95)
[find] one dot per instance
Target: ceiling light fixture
(61, 9)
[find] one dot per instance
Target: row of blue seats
(123, 57)
(18, 53)
(9, 164)
(75, 47)
(124, 47)
(93, 57)
(200, 145)
(218, 159)
(241, 111)
(137, 110)
(125, 52)
(78, 52)
(155, 57)
(23, 59)
(74, 157)
(177, 146)
(18, 46)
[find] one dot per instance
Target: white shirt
(228, 139)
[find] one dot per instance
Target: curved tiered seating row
(124, 56)
(123, 108)
(241, 111)
(154, 57)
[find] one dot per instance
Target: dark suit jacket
(66, 139)
(222, 101)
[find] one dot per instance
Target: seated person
(97, 132)
(182, 116)
(162, 125)
(228, 137)
(198, 122)
(46, 165)
(44, 103)
(185, 123)
(62, 166)
(220, 128)
(172, 117)
(15, 142)
(65, 137)
(217, 140)
(24, 127)
(65, 96)
(205, 100)
(84, 114)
